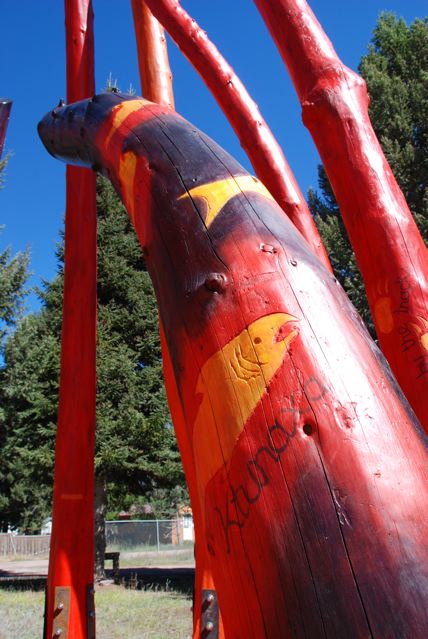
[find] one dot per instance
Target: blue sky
(32, 73)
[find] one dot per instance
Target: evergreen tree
(136, 452)
(396, 72)
(13, 275)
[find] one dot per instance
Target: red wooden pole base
(310, 468)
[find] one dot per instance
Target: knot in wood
(215, 282)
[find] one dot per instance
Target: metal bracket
(209, 615)
(61, 615)
(90, 612)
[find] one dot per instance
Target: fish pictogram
(232, 382)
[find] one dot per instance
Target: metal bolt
(60, 606)
(210, 598)
(209, 626)
(293, 262)
(58, 632)
(267, 248)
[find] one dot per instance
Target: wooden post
(156, 83)
(153, 64)
(389, 249)
(255, 137)
(5, 107)
(71, 563)
(310, 467)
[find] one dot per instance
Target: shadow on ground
(177, 579)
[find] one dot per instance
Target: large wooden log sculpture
(389, 249)
(310, 464)
(70, 600)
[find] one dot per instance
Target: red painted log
(71, 562)
(5, 107)
(153, 64)
(311, 467)
(389, 249)
(244, 116)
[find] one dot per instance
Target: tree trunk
(100, 509)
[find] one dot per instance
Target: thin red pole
(71, 565)
(255, 137)
(5, 107)
(153, 64)
(390, 252)
(156, 84)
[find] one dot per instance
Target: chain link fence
(149, 535)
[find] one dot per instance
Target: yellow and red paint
(402, 330)
(230, 385)
(300, 454)
(216, 194)
(421, 330)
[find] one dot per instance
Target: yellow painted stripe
(120, 113)
(231, 384)
(127, 168)
(217, 194)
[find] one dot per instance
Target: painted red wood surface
(255, 137)
(389, 249)
(311, 468)
(5, 107)
(153, 64)
(71, 562)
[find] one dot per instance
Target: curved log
(255, 136)
(310, 464)
(388, 246)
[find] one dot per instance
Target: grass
(184, 557)
(121, 614)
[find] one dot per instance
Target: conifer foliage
(136, 452)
